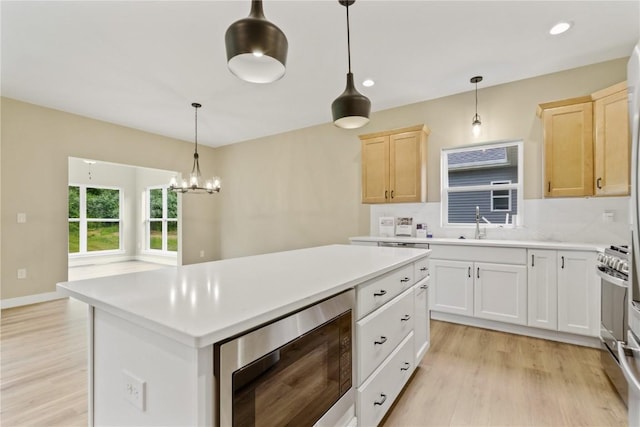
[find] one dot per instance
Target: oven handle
(626, 369)
(614, 280)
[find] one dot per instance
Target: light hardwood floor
(469, 376)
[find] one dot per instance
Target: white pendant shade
(256, 68)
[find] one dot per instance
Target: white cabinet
(421, 329)
(391, 336)
(452, 287)
(500, 292)
(542, 279)
(486, 290)
(578, 293)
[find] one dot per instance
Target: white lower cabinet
(578, 293)
(391, 337)
(542, 279)
(376, 395)
(486, 290)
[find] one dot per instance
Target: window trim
(494, 196)
(445, 189)
(83, 221)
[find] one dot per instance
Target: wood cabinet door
(568, 144)
(578, 293)
(451, 288)
(500, 292)
(375, 170)
(612, 145)
(405, 172)
(542, 289)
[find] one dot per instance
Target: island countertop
(201, 304)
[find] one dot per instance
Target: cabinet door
(578, 293)
(451, 287)
(421, 330)
(375, 170)
(568, 145)
(405, 172)
(501, 292)
(612, 145)
(542, 289)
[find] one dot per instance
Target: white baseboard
(30, 299)
(585, 341)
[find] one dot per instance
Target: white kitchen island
(152, 334)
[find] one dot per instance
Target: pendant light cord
(348, 40)
(197, 124)
(476, 99)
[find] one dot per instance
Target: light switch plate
(22, 218)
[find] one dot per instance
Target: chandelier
(195, 184)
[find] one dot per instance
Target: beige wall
(297, 189)
(302, 188)
(36, 145)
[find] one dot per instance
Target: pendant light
(476, 124)
(256, 48)
(195, 184)
(351, 109)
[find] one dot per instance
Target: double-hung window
(162, 219)
(94, 219)
(487, 177)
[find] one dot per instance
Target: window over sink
(488, 176)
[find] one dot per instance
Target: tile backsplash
(601, 220)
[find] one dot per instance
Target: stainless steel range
(613, 269)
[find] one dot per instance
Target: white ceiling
(142, 63)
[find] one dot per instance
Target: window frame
(83, 221)
(494, 196)
(445, 189)
(164, 221)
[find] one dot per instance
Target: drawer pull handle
(405, 318)
(469, 271)
(424, 269)
(478, 272)
(406, 366)
(406, 279)
(381, 401)
(382, 340)
(380, 293)
(424, 287)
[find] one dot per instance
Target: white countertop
(201, 304)
(531, 244)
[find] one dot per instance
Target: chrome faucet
(478, 234)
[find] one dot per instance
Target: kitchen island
(152, 334)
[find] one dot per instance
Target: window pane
(103, 203)
(155, 203)
(462, 207)
(501, 204)
(501, 193)
(74, 237)
(482, 166)
(74, 202)
(155, 235)
(172, 204)
(172, 236)
(103, 236)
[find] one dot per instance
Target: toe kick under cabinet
(392, 336)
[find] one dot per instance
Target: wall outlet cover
(134, 390)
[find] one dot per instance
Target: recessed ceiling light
(560, 28)
(368, 83)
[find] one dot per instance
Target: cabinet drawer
(421, 269)
(376, 396)
(480, 254)
(380, 332)
(374, 294)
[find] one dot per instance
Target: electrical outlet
(22, 273)
(133, 389)
(22, 218)
(201, 254)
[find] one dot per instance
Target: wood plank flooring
(469, 376)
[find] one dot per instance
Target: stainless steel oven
(295, 371)
(613, 269)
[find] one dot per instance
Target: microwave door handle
(626, 369)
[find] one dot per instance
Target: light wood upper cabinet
(568, 148)
(587, 144)
(612, 141)
(394, 166)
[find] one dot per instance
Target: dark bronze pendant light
(476, 124)
(351, 109)
(256, 48)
